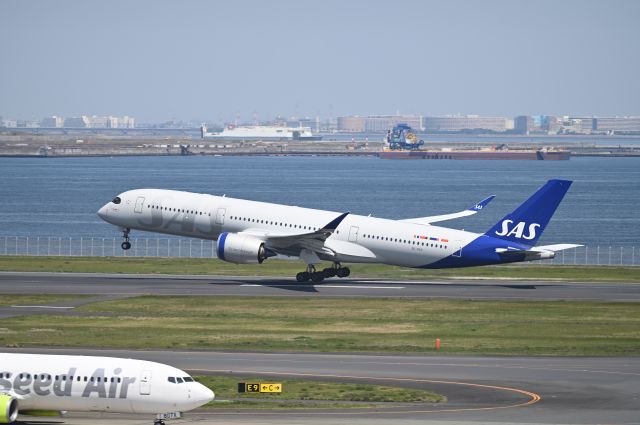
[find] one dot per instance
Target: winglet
(333, 225)
(480, 205)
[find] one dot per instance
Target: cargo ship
(261, 132)
(533, 154)
(402, 143)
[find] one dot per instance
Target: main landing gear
(311, 274)
(126, 244)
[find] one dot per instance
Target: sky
(217, 60)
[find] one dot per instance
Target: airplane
(250, 232)
(42, 382)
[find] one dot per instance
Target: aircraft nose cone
(102, 212)
(204, 394)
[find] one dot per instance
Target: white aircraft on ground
(250, 232)
(40, 382)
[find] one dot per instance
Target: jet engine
(241, 249)
(8, 408)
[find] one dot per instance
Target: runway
(480, 389)
(118, 285)
(542, 390)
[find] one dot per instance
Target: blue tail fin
(527, 222)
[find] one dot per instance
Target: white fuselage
(358, 239)
(84, 383)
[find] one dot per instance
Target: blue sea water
(59, 196)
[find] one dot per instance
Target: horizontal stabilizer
(556, 247)
(535, 253)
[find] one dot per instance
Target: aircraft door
(457, 245)
(139, 204)
(353, 234)
(145, 382)
(220, 214)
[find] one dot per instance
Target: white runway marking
(337, 286)
(39, 306)
(361, 287)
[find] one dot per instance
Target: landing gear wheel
(158, 422)
(317, 277)
(343, 272)
(303, 277)
(308, 275)
(126, 244)
(329, 272)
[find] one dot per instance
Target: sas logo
(518, 230)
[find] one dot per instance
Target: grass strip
(340, 325)
(203, 266)
(311, 394)
(9, 300)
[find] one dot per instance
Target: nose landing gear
(126, 244)
(318, 276)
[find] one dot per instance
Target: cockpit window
(116, 200)
(172, 379)
(179, 380)
(188, 379)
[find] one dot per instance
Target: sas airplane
(250, 232)
(39, 382)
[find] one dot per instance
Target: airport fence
(106, 247)
(198, 248)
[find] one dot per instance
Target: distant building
(378, 123)
(28, 124)
(353, 124)
(8, 123)
(96, 121)
(312, 123)
(76, 122)
(523, 124)
(467, 122)
(52, 122)
(571, 125)
(126, 122)
(385, 122)
(617, 124)
(99, 121)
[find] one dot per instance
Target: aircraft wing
(435, 218)
(293, 243)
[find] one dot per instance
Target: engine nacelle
(240, 249)
(8, 409)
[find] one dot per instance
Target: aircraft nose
(203, 394)
(103, 212)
